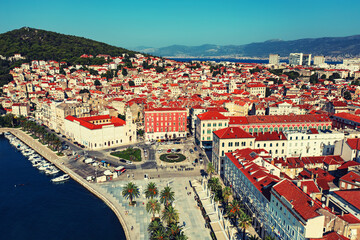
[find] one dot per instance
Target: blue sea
(259, 61)
(31, 207)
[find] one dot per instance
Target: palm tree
(151, 190)
(174, 229)
(159, 235)
(269, 237)
(167, 196)
(154, 226)
(181, 236)
(214, 184)
(244, 222)
(131, 191)
(153, 207)
(226, 194)
(234, 209)
(253, 237)
(210, 169)
(170, 215)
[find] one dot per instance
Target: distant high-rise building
(296, 59)
(306, 60)
(274, 59)
(319, 60)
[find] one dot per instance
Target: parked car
(195, 148)
(129, 162)
(191, 151)
(178, 150)
(169, 150)
(159, 151)
(122, 160)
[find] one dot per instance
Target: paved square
(184, 203)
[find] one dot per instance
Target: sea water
(32, 207)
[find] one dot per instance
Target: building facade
(274, 59)
(165, 123)
(102, 131)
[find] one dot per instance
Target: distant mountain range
(327, 46)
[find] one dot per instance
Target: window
(209, 125)
(214, 124)
(236, 144)
(230, 144)
(270, 144)
(243, 144)
(220, 124)
(223, 144)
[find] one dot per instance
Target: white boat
(36, 163)
(62, 178)
(51, 170)
(43, 167)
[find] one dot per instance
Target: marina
(33, 207)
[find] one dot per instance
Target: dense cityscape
(266, 151)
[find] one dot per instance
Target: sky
(155, 23)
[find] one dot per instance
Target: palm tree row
(169, 214)
(234, 209)
(39, 131)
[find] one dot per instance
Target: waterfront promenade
(63, 164)
(110, 193)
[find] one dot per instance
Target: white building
(318, 60)
(274, 59)
(101, 131)
(312, 142)
(284, 108)
(296, 59)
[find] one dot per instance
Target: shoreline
(57, 161)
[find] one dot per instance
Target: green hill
(36, 44)
(40, 44)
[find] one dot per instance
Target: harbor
(63, 164)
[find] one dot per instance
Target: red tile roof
(348, 116)
(301, 202)
(267, 136)
(354, 143)
(87, 121)
(351, 177)
(212, 115)
(351, 196)
(331, 236)
(232, 132)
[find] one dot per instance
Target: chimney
(305, 189)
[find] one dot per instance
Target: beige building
(228, 140)
(206, 123)
(21, 109)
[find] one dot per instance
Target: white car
(129, 162)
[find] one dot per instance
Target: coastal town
(251, 150)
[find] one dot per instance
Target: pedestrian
(132, 227)
(185, 188)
